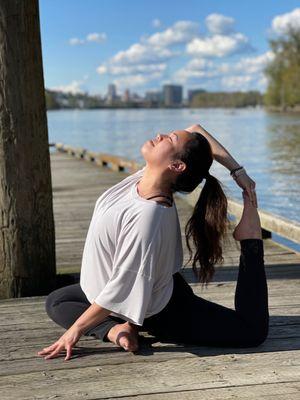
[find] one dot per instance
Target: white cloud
(247, 65)
(235, 75)
(219, 24)
(252, 65)
(199, 63)
(236, 82)
(180, 32)
(73, 87)
(281, 23)
(154, 49)
(96, 37)
(156, 23)
(182, 76)
(142, 54)
(130, 69)
(75, 41)
(136, 80)
(146, 61)
(90, 37)
(219, 45)
(262, 83)
(102, 69)
(140, 63)
(196, 68)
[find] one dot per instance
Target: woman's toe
(128, 342)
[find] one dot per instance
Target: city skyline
(220, 46)
(169, 95)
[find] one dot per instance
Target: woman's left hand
(246, 183)
(65, 342)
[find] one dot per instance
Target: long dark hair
(208, 224)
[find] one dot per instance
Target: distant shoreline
(273, 109)
(280, 110)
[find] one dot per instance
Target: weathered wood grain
(119, 379)
(158, 371)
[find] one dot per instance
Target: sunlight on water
(268, 145)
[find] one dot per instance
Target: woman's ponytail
(208, 223)
(207, 226)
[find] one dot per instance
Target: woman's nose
(159, 136)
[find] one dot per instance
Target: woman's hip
(176, 306)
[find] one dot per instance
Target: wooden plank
(280, 391)
(94, 353)
(195, 373)
(26, 343)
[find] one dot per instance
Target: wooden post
(27, 237)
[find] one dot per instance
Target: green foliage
(226, 99)
(55, 100)
(283, 72)
(51, 103)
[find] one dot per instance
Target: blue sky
(141, 45)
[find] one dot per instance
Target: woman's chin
(145, 149)
(147, 145)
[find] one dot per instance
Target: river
(267, 144)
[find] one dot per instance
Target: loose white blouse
(132, 249)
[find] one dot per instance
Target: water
(268, 145)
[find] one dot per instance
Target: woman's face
(160, 150)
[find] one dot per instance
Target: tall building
(111, 93)
(154, 96)
(126, 96)
(172, 95)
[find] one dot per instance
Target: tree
(27, 237)
(283, 72)
(51, 102)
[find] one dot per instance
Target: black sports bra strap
(161, 195)
(165, 202)
(169, 201)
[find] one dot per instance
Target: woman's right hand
(246, 183)
(66, 342)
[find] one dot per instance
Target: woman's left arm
(221, 155)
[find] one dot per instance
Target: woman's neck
(152, 183)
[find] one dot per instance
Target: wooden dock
(158, 371)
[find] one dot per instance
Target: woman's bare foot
(249, 226)
(124, 335)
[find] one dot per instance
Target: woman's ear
(177, 166)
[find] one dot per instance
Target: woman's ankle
(252, 246)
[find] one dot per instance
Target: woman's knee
(52, 299)
(55, 298)
(257, 336)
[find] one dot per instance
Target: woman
(130, 278)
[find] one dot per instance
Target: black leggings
(188, 318)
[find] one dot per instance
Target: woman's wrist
(235, 173)
(234, 170)
(91, 317)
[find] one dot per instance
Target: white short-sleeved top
(132, 249)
